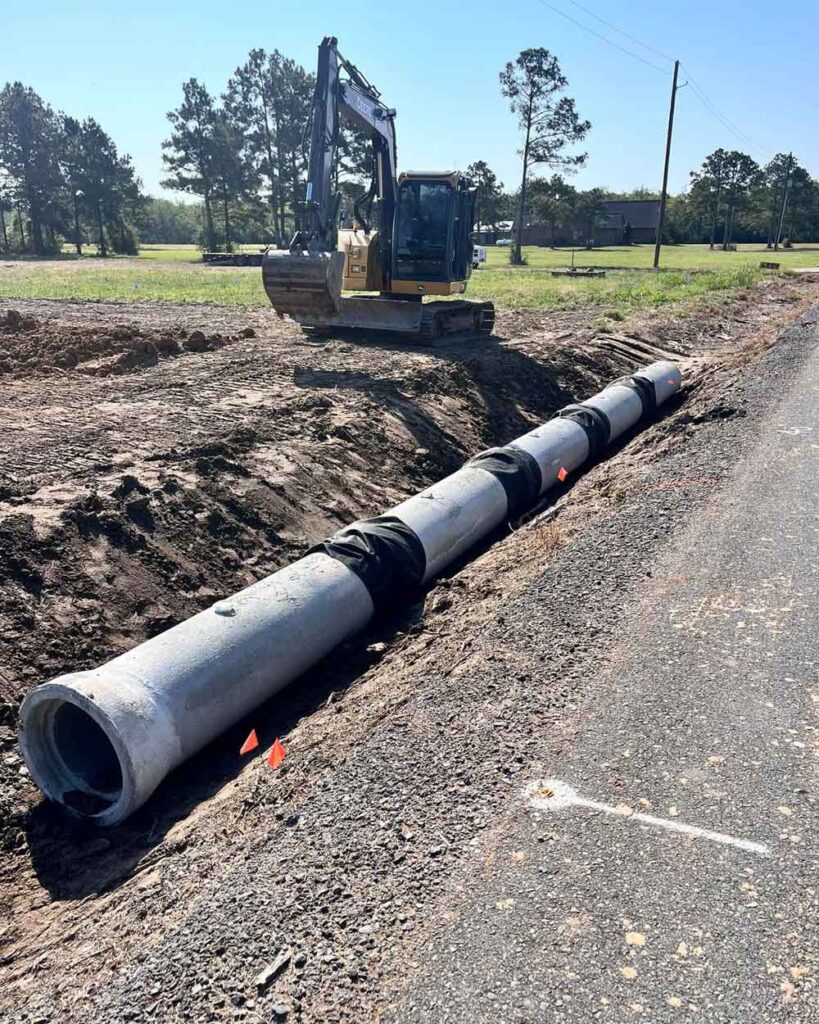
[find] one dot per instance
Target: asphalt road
(705, 714)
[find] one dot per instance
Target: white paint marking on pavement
(554, 795)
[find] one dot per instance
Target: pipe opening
(74, 757)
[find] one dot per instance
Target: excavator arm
(307, 279)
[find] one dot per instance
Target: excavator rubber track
(442, 318)
(421, 322)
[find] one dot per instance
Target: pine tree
(29, 148)
(190, 152)
(549, 122)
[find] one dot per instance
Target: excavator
(411, 235)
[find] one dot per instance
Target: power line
(620, 31)
(605, 39)
(698, 91)
(709, 105)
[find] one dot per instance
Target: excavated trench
(223, 443)
(130, 500)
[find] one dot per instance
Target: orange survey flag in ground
(277, 754)
(250, 743)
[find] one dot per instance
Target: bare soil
(179, 453)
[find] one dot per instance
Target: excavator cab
(432, 235)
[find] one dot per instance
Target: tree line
(243, 156)
(730, 199)
(61, 178)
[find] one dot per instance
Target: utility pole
(784, 205)
(664, 195)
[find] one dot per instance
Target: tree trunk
(77, 235)
(552, 224)
(228, 247)
(271, 175)
(729, 227)
(726, 228)
(517, 255)
(22, 229)
(716, 216)
(280, 190)
(209, 233)
(36, 226)
(37, 236)
(295, 191)
(101, 229)
(3, 228)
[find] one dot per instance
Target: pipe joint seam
(644, 388)
(593, 421)
(385, 554)
(516, 471)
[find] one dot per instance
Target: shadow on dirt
(512, 388)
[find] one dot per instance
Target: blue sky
(438, 65)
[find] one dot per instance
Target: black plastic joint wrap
(383, 552)
(516, 471)
(595, 423)
(645, 392)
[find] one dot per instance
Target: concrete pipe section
(100, 742)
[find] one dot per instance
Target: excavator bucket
(304, 284)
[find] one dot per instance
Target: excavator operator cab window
(423, 231)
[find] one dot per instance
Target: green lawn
(672, 257)
(176, 274)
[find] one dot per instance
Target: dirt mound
(31, 346)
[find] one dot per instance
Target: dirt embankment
(131, 500)
(31, 346)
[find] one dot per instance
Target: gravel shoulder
(702, 714)
(404, 754)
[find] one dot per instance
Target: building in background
(620, 222)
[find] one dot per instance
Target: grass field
(176, 274)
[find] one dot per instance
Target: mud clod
(32, 345)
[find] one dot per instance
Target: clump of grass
(541, 540)
(615, 494)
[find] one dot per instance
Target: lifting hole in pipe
(77, 758)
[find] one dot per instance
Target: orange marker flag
(277, 754)
(250, 743)
(562, 473)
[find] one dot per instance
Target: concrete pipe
(99, 742)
